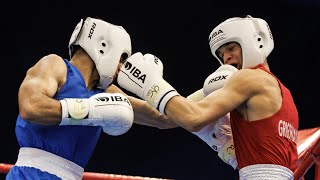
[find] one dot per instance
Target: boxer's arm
(195, 115)
(144, 114)
(149, 116)
(37, 89)
(143, 76)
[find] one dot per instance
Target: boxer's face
(122, 60)
(117, 71)
(231, 54)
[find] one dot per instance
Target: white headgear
(253, 35)
(104, 43)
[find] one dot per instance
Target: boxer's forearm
(144, 114)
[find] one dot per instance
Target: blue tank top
(75, 143)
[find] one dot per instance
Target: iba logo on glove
(134, 71)
(112, 99)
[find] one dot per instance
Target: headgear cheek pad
(104, 43)
(253, 35)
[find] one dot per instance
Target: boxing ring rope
(309, 152)
(4, 169)
(308, 143)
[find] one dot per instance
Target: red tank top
(271, 140)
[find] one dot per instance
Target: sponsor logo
(135, 71)
(218, 78)
(230, 149)
(156, 59)
(214, 34)
(270, 34)
(92, 30)
(153, 90)
(113, 98)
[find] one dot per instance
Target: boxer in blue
(63, 106)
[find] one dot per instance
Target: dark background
(177, 33)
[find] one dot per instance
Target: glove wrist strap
(159, 93)
(64, 109)
(164, 100)
(73, 111)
